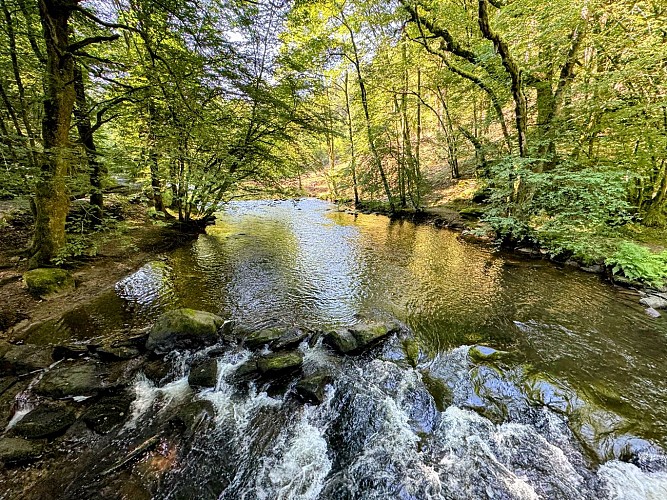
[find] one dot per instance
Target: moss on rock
(46, 282)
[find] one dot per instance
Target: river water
(574, 406)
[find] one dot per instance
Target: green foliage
(638, 263)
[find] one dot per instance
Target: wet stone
(69, 352)
(83, 379)
(280, 361)
(184, 329)
(191, 414)
(481, 354)
(264, 337)
(291, 339)
(27, 358)
(654, 302)
(107, 413)
(45, 421)
(18, 450)
(156, 370)
(204, 374)
(311, 389)
(108, 353)
(358, 337)
(6, 383)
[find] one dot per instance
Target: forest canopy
(557, 110)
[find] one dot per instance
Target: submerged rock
(18, 450)
(358, 337)
(45, 422)
(107, 413)
(481, 353)
(83, 379)
(46, 282)
(204, 374)
(652, 312)
(184, 329)
(280, 361)
(654, 302)
(311, 389)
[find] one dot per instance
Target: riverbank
(132, 239)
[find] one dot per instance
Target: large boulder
(359, 337)
(18, 450)
(45, 421)
(184, 329)
(84, 379)
(47, 282)
(204, 374)
(280, 362)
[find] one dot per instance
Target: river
(572, 406)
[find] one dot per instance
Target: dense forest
(557, 111)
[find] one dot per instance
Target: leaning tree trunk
(51, 197)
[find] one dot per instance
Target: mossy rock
(411, 349)
(441, 393)
(184, 329)
(191, 414)
(280, 362)
(359, 337)
(45, 421)
(15, 450)
(47, 282)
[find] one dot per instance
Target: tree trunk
(51, 197)
(353, 164)
(85, 129)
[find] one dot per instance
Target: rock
(6, 383)
(652, 312)
(137, 342)
(290, 340)
(4, 347)
(311, 389)
(654, 302)
(191, 414)
(17, 450)
(342, 340)
(68, 352)
(571, 263)
(107, 413)
(481, 353)
(109, 353)
(184, 329)
(595, 269)
(27, 358)
(45, 421)
(156, 370)
(439, 391)
(280, 361)
(246, 371)
(204, 374)
(471, 213)
(72, 380)
(47, 282)
(359, 336)
(263, 337)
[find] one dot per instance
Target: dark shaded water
(576, 410)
